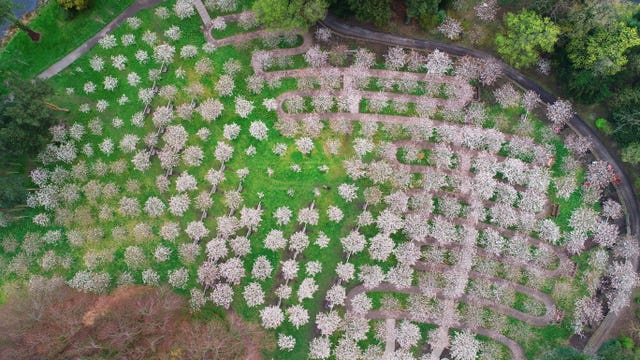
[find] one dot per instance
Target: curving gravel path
(513, 346)
(625, 190)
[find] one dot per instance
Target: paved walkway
(626, 192)
(206, 19)
(84, 48)
(202, 11)
(389, 338)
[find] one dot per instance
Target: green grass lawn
(59, 36)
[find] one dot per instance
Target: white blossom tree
(223, 152)
(507, 96)
(210, 109)
(320, 348)
(297, 315)
(348, 191)
(353, 243)
(262, 268)
(222, 295)
(308, 215)
(225, 85)
(304, 145)
(271, 317)
(395, 58)
(361, 304)
(450, 28)
(316, 57)
(438, 62)
(258, 130)
(336, 295)
(286, 342)
(371, 276)
(335, 214)
(290, 269)
(253, 294)
(275, 240)
(487, 10)
(243, 107)
(464, 346)
(559, 113)
(307, 288)
(282, 215)
(408, 334)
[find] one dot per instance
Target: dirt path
(389, 339)
(202, 12)
(515, 349)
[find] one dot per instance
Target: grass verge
(59, 36)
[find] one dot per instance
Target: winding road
(625, 190)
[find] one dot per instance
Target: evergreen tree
(24, 116)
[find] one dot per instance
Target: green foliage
(625, 114)
(290, 14)
(6, 10)
(340, 8)
(12, 191)
(603, 49)
(378, 11)
(618, 349)
(631, 154)
(588, 88)
(603, 124)
(420, 8)
(634, 21)
(430, 21)
(6, 14)
(527, 35)
(24, 118)
(76, 5)
(565, 353)
(626, 342)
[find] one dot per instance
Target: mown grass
(60, 36)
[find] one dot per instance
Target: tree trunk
(34, 35)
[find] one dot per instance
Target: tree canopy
(378, 11)
(290, 14)
(73, 4)
(6, 10)
(631, 153)
(24, 117)
(603, 49)
(527, 35)
(625, 113)
(418, 8)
